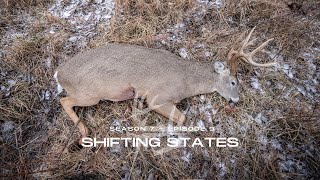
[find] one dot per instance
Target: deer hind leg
(68, 103)
(168, 110)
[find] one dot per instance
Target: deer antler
(233, 55)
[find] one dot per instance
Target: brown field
(277, 120)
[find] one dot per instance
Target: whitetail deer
(118, 72)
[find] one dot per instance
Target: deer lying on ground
(118, 72)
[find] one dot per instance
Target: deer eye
(233, 83)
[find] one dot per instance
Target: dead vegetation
(277, 120)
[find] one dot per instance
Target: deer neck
(201, 79)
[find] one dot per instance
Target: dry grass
(14, 5)
(289, 126)
(138, 22)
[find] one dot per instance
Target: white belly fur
(59, 87)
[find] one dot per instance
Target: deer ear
(219, 67)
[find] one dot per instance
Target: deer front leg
(68, 103)
(172, 112)
(168, 110)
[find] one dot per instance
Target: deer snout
(234, 100)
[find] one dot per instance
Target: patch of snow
(200, 46)
(11, 83)
(222, 170)
(208, 54)
(7, 87)
(315, 81)
(169, 130)
(290, 146)
(311, 88)
(151, 176)
(116, 124)
(291, 165)
(116, 148)
(47, 95)
(206, 108)
(260, 119)
(217, 4)
(302, 90)
(252, 151)
(206, 155)
(219, 129)
(200, 124)
(179, 25)
(214, 111)
(263, 139)
(286, 96)
(23, 21)
(48, 62)
(307, 86)
(233, 161)
(7, 126)
(186, 156)
(192, 110)
(274, 55)
(83, 17)
(126, 172)
(280, 86)
(255, 84)
(7, 129)
(276, 145)
(183, 53)
(311, 66)
(243, 128)
(288, 70)
(73, 39)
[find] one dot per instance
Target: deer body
(118, 72)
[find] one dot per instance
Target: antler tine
(249, 58)
(241, 35)
(245, 42)
(260, 47)
(232, 51)
(233, 55)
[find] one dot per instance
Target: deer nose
(231, 103)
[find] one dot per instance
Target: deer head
(226, 85)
